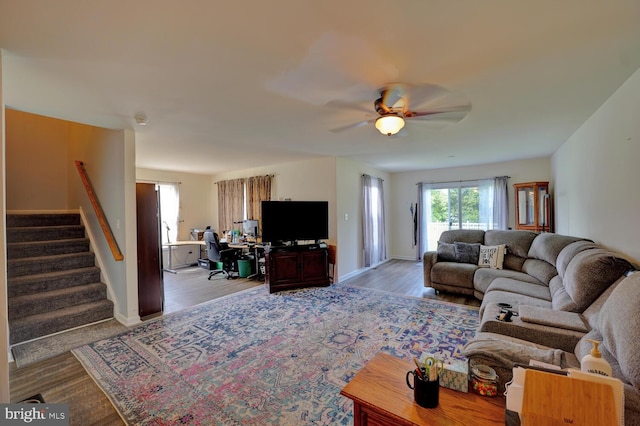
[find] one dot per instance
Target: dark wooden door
(150, 285)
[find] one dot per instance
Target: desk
(381, 397)
(257, 250)
(181, 243)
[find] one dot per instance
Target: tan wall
(310, 180)
(4, 317)
(36, 156)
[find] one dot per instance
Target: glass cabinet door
(532, 206)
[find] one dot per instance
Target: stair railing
(106, 229)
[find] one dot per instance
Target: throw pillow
(491, 256)
(446, 252)
(467, 252)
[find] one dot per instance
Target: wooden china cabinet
(533, 206)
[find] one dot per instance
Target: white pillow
(491, 256)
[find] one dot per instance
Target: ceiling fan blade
(357, 106)
(440, 110)
(352, 126)
(424, 94)
(439, 116)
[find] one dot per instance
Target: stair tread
(54, 274)
(62, 241)
(54, 293)
(30, 219)
(51, 257)
(53, 281)
(59, 313)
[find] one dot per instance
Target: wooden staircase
(53, 283)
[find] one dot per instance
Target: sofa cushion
(485, 276)
(619, 324)
(553, 318)
(453, 273)
(463, 235)
(513, 262)
(520, 287)
(491, 256)
(513, 299)
(560, 299)
(547, 246)
(446, 252)
(592, 313)
(518, 242)
(467, 252)
(568, 253)
(590, 272)
(539, 269)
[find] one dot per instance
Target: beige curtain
(258, 190)
(230, 204)
(373, 232)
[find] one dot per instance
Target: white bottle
(594, 363)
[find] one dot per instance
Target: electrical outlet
(346, 216)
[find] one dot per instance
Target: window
(453, 205)
(169, 211)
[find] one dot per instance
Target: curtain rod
(464, 180)
(245, 178)
(156, 181)
(364, 174)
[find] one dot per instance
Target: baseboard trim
(128, 321)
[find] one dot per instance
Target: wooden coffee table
(381, 397)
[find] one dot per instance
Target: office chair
(220, 252)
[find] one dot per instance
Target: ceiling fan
(400, 101)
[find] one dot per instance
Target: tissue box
(455, 375)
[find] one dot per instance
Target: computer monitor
(250, 228)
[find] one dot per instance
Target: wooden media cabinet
(297, 266)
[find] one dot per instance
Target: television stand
(299, 266)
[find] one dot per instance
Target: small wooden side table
(381, 397)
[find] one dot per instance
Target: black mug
(426, 393)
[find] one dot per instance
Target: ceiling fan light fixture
(389, 124)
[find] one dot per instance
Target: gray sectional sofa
(562, 291)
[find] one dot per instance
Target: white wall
(596, 175)
(404, 192)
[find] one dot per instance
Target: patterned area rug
(267, 359)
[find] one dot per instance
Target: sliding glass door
(454, 205)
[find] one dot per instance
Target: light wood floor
(63, 380)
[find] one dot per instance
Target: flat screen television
(291, 221)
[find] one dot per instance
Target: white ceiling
(234, 85)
